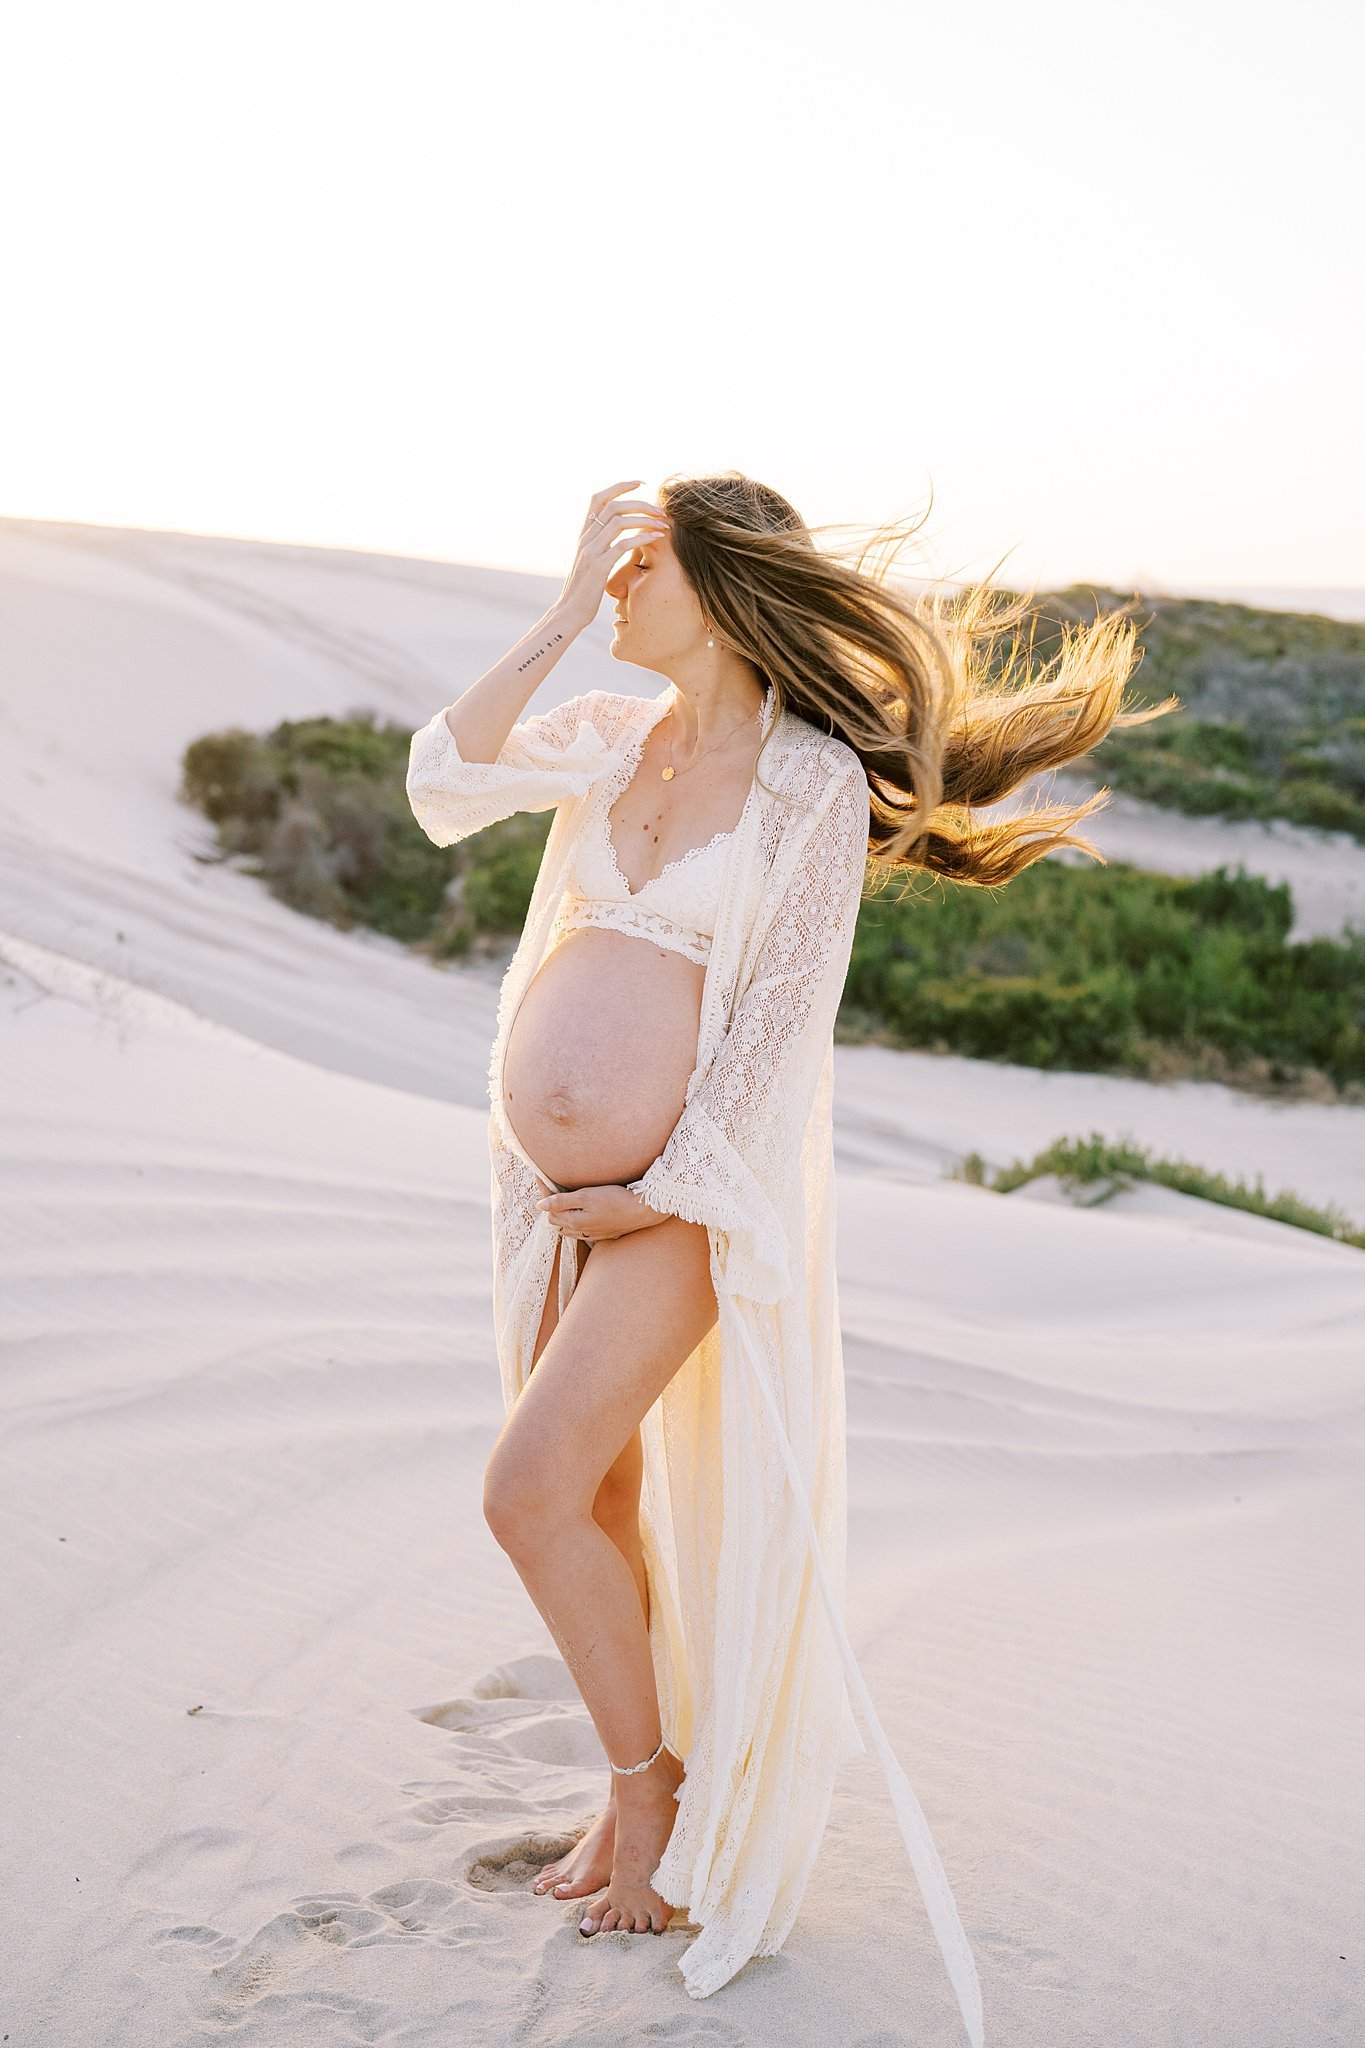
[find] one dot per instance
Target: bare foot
(645, 1812)
(587, 1865)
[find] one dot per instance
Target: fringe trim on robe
(744, 1496)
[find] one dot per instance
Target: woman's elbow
(434, 817)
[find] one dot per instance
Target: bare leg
(643, 1304)
(616, 1507)
(587, 1866)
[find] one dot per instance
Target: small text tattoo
(539, 651)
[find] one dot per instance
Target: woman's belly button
(599, 1056)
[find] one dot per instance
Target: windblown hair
(916, 683)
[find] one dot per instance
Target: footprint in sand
(243, 1973)
(524, 1712)
(496, 1742)
(513, 1865)
(527, 1708)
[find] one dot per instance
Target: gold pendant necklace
(667, 774)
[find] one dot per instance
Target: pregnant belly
(599, 1055)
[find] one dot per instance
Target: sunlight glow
(422, 278)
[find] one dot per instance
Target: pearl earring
(709, 641)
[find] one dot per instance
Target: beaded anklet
(629, 1770)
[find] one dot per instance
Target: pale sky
(421, 277)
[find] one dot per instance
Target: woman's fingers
(567, 1207)
(624, 510)
(593, 1215)
(603, 507)
(613, 490)
(611, 530)
(647, 517)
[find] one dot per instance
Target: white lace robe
(743, 1501)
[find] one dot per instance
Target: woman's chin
(625, 646)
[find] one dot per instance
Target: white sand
(1106, 1504)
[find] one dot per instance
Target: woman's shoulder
(840, 759)
(819, 758)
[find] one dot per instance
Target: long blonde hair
(917, 684)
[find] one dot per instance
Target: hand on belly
(599, 1056)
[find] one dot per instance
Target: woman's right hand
(601, 544)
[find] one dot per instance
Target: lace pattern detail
(675, 908)
(637, 921)
(546, 758)
(669, 867)
(729, 1157)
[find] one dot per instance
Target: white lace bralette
(676, 908)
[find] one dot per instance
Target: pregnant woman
(670, 1479)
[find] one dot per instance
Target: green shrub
(1111, 969)
(232, 777)
(1086, 1162)
(320, 809)
(502, 872)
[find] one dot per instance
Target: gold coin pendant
(667, 773)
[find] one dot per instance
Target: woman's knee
(517, 1497)
(525, 1497)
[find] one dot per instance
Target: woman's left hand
(594, 1213)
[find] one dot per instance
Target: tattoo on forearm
(553, 639)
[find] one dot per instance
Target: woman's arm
(473, 763)
(544, 759)
(481, 719)
(740, 1131)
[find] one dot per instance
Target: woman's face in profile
(658, 617)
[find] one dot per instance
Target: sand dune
(286, 1738)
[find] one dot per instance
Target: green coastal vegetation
(1110, 1166)
(1272, 718)
(1098, 969)
(1114, 969)
(317, 809)
(1075, 966)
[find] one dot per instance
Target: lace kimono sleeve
(553, 755)
(734, 1153)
